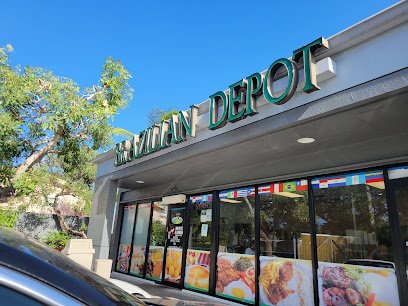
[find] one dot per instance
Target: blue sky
(179, 52)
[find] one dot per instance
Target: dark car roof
(26, 255)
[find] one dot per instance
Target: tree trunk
(37, 156)
(268, 243)
(61, 220)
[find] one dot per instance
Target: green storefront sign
(236, 103)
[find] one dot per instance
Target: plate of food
(342, 284)
(239, 290)
(138, 260)
(173, 265)
(197, 276)
(236, 276)
(285, 282)
(155, 262)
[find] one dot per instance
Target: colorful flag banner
(369, 178)
(201, 198)
(398, 172)
(283, 187)
(237, 193)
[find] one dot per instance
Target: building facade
(290, 186)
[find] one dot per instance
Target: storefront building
(289, 187)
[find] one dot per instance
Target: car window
(62, 273)
(11, 297)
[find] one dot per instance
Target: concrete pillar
(103, 267)
(80, 251)
(102, 213)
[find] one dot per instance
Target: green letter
(142, 142)
(216, 122)
(235, 98)
(254, 86)
(173, 129)
(120, 160)
(188, 127)
(164, 126)
(134, 146)
(309, 64)
(154, 139)
(292, 81)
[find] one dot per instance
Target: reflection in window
(285, 277)
(201, 219)
(198, 253)
(352, 217)
(284, 220)
(353, 240)
(236, 259)
(140, 239)
(126, 238)
(157, 240)
(237, 226)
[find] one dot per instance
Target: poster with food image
(123, 258)
(154, 265)
(343, 284)
(197, 274)
(138, 260)
(285, 282)
(173, 264)
(236, 276)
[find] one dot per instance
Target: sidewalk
(168, 296)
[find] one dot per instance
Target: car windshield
(36, 259)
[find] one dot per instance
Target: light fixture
(306, 140)
(140, 182)
(230, 201)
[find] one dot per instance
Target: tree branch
(61, 219)
(38, 155)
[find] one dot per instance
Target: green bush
(56, 239)
(8, 218)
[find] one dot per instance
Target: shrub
(8, 218)
(56, 239)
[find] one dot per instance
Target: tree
(283, 218)
(50, 129)
(156, 115)
(43, 114)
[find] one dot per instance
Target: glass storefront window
(235, 258)
(141, 229)
(158, 234)
(126, 238)
(399, 180)
(286, 269)
(199, 243)
(353, 240)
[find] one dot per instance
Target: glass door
(157, 240)
(198, 260)
(140, 235)
(123, 256)
(399, 195)
(174, 244)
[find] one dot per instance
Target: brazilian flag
(289, 186)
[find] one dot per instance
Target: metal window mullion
(257, 244)
(313, 240)
(215, 239)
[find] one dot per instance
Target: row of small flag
(237, 193)
(201, 198)
(328, 182)
(348, 180)
(283, 187)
